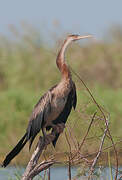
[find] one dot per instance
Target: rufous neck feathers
(61, 63)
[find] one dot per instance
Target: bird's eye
(76, 35)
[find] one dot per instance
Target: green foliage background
(28, 69)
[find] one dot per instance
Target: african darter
(54, 106)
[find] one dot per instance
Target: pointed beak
(84, 37)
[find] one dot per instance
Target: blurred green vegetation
(28, 69)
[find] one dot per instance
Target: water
(57, 173)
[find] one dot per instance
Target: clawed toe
(45, 140)
(49, 139)
(58, 128)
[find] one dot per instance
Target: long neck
(60, 61)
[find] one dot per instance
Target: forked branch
(33, 168)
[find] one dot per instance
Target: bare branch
(102, 112)
(69, 169)
(98, 154)
(87, 131)
(33, 168)
(81, 144)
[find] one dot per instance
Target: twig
(98, 154)
(81, 144)
(86, 156)
(68, 142)
(69, 156)
(101, 110)
(87, 131)
(69, 169)
(73, 138)
(41, 167)
(49, 174)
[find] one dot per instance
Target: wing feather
(74, 96)
(41, 109)
(62, 118)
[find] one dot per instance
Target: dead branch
(48, 173)
(106, 123)
(69, 169)
(84, 138)
(69, 156)
(98, 154)
(81, 144)
(33, 168)
(71, 134)
(94, 153)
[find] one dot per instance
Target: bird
(54, 106)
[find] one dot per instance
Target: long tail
(15, 150)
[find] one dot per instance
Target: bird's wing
(74, 96)
(40, 111)
(62, 118)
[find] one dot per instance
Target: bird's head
(75, 37)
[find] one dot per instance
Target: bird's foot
(49, 138)
(58, 128)
(45, 140)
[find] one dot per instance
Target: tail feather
(15, 150)
(31, 141)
